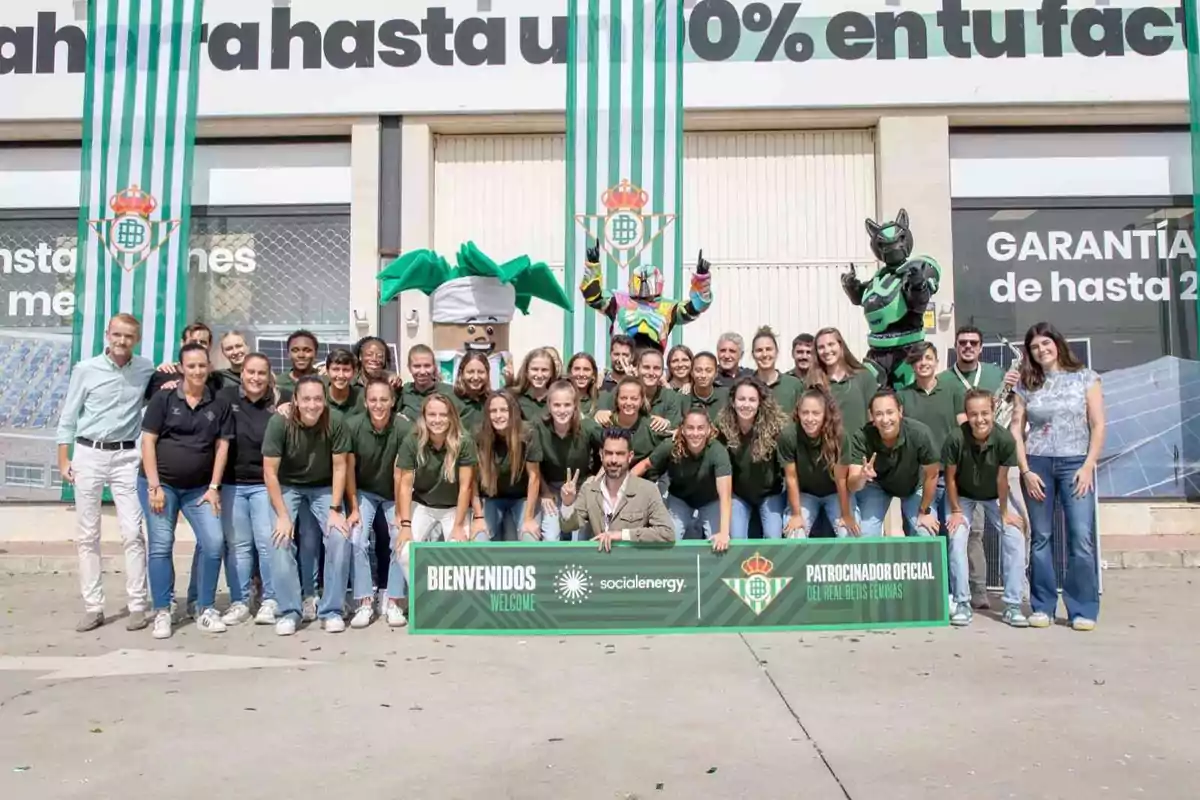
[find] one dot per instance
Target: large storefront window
(264, 272)
(1118, 278)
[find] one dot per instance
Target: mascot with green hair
(473, 302)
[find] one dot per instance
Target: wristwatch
(216, 487)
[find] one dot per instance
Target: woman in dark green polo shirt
(509, 474)
(893, 457)
(785, 388)
(584, 375)
(342, 391)
(664, 405)
(750, 425)
(375, 361)
(570, 443)
(679, 369)
(436, 477)
(814, 451)
(533, 381)
(632, 413)
(305, 458)
(371, 489)
(705, 393)
(471, 388)
(849, 383)
(701, 478)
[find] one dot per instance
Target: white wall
(1068, 164)
(224, 175)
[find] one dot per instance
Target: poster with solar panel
(1118, 279)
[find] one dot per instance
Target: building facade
(1039, 146)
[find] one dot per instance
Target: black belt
(105, 445)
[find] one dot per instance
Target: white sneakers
(210, 621)
(162, 624)
(266, 613)
(308, 609)
(395, 614)
(285, 626)
(334, 624)
(237, 614)
(362, 616)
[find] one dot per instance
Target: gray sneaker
(1014, 617)
(137, 621)
(90, 621)
(961, 615)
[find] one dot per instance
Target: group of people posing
(269, 470)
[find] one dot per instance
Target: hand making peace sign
(868, 467)
(570, 489)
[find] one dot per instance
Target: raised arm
(591, 286)
(699, 297)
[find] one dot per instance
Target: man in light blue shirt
(102, 418)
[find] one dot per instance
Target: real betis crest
(757, 589)
(130, 236)
(625, 229)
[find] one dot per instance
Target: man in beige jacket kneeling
(619, 506)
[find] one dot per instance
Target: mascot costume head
(473, 302)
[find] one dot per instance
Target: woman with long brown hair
(1058, 424)
(584, 375)
(471, 388)
(538, 371)
(510, 460)
(570, 444)
(700, 477)
(848, 382)
(305, 458)
(750, 425)
(435, 477)
(814, 450)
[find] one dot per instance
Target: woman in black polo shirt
(245, 505)
(185, 444)
(233, 347)
(750, 426)
(533, 381)
(305, 458)
(701, 478)
(371, 490)
(570, 443)
(814, 450)
(471, 388)
(510, 460)
(435, 477)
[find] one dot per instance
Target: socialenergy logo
(52, 301)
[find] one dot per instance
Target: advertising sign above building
(313, 57)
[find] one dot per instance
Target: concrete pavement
(985, 712)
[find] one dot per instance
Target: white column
(416, 225)
(364, 227)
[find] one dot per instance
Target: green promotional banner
(815, 584)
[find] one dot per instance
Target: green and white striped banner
(139, 132)
(624, 124)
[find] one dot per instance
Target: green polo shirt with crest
(897, 468)
(978, 463)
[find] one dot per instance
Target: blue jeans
(708, 515)
(160, 536)
(1081, 592)
(552, 523)
(1012, 543)
(308, 534)
(504, 516)
(873, 504)
(770, 512)
(247, 521)
(812, 506)
(360, 569)
(338, 554)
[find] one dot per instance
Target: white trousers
(426, 523)
(119, 469)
